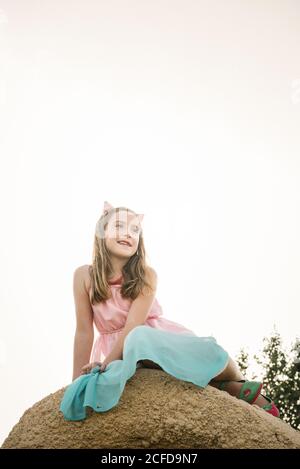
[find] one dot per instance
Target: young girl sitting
(117, 293)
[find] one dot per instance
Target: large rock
(156, 410)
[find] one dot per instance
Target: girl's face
(122, 234)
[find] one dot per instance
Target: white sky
(185, 111)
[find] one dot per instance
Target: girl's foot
(250, 393)
(234, 387)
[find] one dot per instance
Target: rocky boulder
(156, 410)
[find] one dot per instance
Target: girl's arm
(84, 335)
(82, 350)
(137, 315)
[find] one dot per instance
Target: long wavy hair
(133, 271)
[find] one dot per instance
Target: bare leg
(233, 373)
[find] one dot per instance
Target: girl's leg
(233, 373)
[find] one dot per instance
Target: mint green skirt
(186, 357)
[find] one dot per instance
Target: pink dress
(110, 318)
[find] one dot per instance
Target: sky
(185, 111)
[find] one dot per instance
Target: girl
(117, 293)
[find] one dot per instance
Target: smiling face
(122, 234)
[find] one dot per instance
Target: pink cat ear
(106, 207)
(140, 217)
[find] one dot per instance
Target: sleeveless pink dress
(110, 318)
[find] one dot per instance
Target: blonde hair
(134, 271)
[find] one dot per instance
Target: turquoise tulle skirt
(186, 357)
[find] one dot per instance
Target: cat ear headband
(100, 223)
(107, 207)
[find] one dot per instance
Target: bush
(281, 375)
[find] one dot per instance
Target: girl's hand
(104, 365)
(87, 368)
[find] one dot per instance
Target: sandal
(249, 392)
(271, 407)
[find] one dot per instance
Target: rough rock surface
(156, 410)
